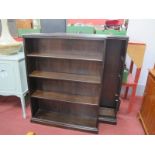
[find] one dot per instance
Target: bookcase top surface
(74, 36)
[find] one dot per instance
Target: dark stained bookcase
(64, 75)
(115, 55)
(74, 79)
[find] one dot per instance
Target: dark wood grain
(67, 56)
(80, 67)
(115, 54)
(113, 71)
(65, 97)
(74, 65)
(74, 36)
(107, 115)
(66, 76)
(85, 110)
(107, 112)
(63, 86)
(64, 120)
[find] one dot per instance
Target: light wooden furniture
(13, 77)
(136, 53)
(147, 111)
(24, 23)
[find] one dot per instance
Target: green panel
(125, 76)
(27, 31)
(111, 32)
(80, 29)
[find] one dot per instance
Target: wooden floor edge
(142, 122)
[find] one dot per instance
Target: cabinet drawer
(7, 79)
(148, 113)
(152, 124)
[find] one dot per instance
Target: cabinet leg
(132, 100)
(126, 92)
(22, 98)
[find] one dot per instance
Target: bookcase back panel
(69, 87)
(65, 66)
(66, 108)
(65, 46)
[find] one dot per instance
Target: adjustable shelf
(65, 120)
(107, 115)
(64, 76)
(88, 100)
(65, 55)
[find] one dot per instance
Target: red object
(91, 21)
(18, 39)
(113, 22)
(13, 123)
(132, 82)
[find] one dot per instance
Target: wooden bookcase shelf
(65, 120)
(88, 100)
(67, 55)
(65, 76)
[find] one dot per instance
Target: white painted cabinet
(13, 79)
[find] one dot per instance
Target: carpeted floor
(12, 123)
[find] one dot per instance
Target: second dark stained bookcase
(115, 55)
